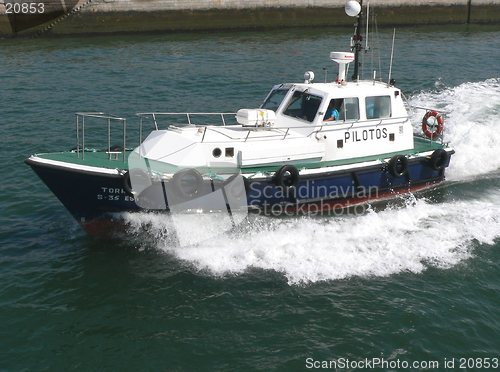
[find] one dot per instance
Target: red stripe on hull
(325, 206)
(103, 227)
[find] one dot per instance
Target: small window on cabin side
(273, 101)
(303, 106)
(349, 110)
(378, 107)
(342, 109)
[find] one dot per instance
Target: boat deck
(101, 159)
(98, 159)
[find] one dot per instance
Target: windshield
(303, 106)
(274, 99)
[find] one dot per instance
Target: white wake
(309, 249)
(472, 125)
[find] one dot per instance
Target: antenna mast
(392, 54)
(357, 45)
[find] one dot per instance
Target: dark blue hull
(91, 197)
(87, 196)
(347, 187)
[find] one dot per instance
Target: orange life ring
(440, 124)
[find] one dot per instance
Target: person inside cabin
(332, 114)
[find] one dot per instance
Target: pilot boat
(310, 147)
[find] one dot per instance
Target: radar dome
(352, 8)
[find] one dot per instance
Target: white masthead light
(308, 77)
(352, 8)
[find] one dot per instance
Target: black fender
(398, 165)
(187, 183)
(287, 176)
(439, 159)
(137, 173)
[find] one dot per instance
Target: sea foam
(306, 249)
(472, 125)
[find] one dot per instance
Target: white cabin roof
(352, 88)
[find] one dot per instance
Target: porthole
(216, 152)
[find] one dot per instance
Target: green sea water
(415, 280)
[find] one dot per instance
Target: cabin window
(342, 109)
(349, 109)
(274, 99)
(378, 107)
(303, 106)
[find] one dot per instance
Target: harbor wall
(116, 16)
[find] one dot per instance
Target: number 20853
(24, 8)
